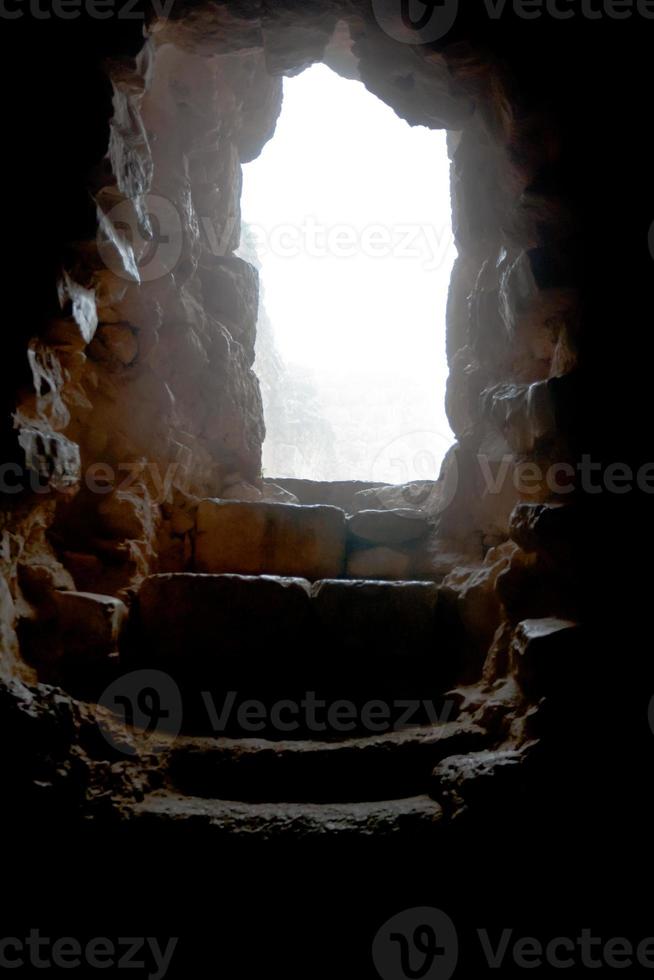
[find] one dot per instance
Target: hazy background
(351, 341)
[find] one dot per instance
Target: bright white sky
(342, 161)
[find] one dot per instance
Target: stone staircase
(374, 786)
(312, 702)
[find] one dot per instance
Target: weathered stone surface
(475, 779)
(388, 527)
(114, 343)
(545, 651)
(89, 624)
(72, 640)
(199, 626)
(9, 652)
(225, 640)
(51, 458)
(230, 287)
(418, 495)
(181, 815)
(274, 493)
(241, 491)
(338, 493)
(382, 637)
(381, 563)
(548, 528)
(378, 606)
(278, 539)
(474, 590)
(396, 764)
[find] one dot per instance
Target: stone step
(312, 541)
(228, 819)
(255, 538)
(272, 639)
(391, 527)
(394, 765)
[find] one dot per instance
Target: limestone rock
(78, 303)
(278, 539)
(338, 493)
(230, 287)
(381, 563)
(416, 495)
(474, 590)
(114, 343)
(242, 491)
(368, 619)
(89, 624)
(477, 778)
(273, 493)
(125, 514)
(388, 527)
(222, 633)
(545, 527)
(182, 818)
(51, 458)
(543, 653)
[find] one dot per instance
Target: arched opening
(347, 215)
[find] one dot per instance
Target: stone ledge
(270, 538)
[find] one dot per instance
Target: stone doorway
(347, 217)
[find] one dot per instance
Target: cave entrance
(347, 215)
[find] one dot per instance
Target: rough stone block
(379, 563)
(420, 495)
(388, 527)
(222, 636)
(381, 638)
(251, 538)
(89, 623)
